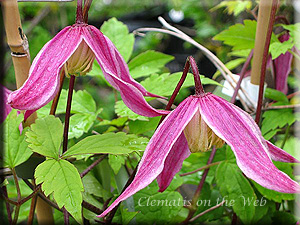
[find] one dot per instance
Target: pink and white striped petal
(158, 148)
(179, 152)
(117, 74)
(239, 131)
(43, 81)
(279, 154)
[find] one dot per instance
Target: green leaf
(45, 136)
(80, 123)
(16, 149)
(108, 143)
(237, 189)
(83, 102)
(62, 179)
(231, 65)
(115, 162)
(165, 83)
(275, 95)
(290, 145)
(278, 48)
(140, 127)
(158, 208)
(273, 119)
(241, 36)
(294, 31)
(147, 63)
(118, 33)
(234, 7)
(123, 111)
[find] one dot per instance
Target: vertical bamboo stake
(265, 7)
(18, 44)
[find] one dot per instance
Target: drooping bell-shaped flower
(72, 51)
(220, 121)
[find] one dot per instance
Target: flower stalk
(68, 113)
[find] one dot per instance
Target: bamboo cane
(18, 44)
(265, 7)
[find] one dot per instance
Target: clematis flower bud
(81, 62)
(199, 136)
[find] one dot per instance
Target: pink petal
(239, 130)
(179, 152)
(7, 107)
(152, 163)
(43, 81)
(279, 154)
(116, 73)
(283, 67)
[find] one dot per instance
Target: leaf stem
(32, 210)
(285, 136)
(242, 75)
(68, 112)
(85, 172)
(66, 216)
(201, 168)
(265, 59)
(4, 192)
(207, 211)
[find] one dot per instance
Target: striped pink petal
(43, 81)
(279, 154)
(158, 149)
(117, 74)
(179, 152)
(239, 130)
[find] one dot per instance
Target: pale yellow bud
(81, 61)
(199, 136)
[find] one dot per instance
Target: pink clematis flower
(72, 51)
(200, 121)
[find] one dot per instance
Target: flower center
(80, 62)
(199, 136)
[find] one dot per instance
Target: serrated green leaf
(241, 36)
(118, 33)
(275, 95)
(16, 149)
(294, 31)
(273, 119)
(234, 7)
(62, 179)
(108, 143)
(238, 189)
(278, 48)
(147, 63)
(45, 136)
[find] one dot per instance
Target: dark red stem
(242, 75)
(198, 86)
(87, 5)
(79, 16)
(85, 172)
(264, 62)
(4, 192)
(66, 216)
(68, 112)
